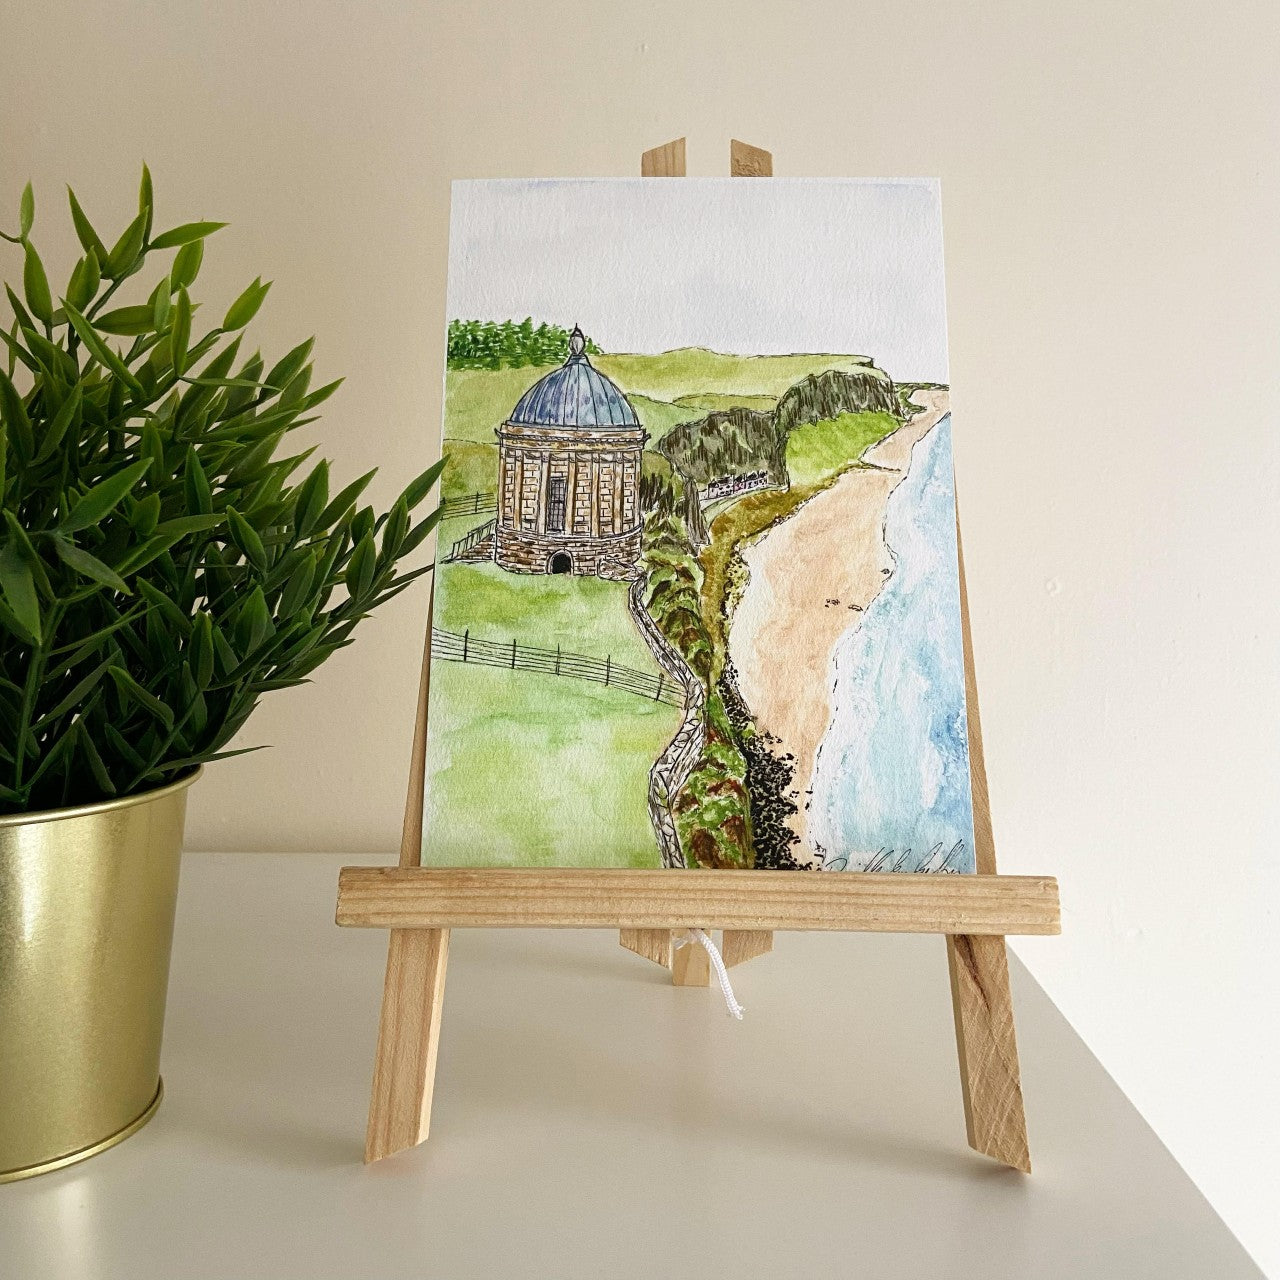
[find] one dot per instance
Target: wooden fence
(470, 504)
(453, 646)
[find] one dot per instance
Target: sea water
(891, 782)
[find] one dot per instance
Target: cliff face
(736, 441)
(727, 442)
(828, 395)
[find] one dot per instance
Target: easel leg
(653, 944)
(989, 1075)
(740, 945)
(408, 1037)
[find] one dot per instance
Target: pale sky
(752, 266)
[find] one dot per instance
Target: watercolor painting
(696, 591)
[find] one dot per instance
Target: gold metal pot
(87, 897)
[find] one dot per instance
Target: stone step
(481, 551)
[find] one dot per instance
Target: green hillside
(697, 371)
(716, 402)
(665, 389)
(469, 468)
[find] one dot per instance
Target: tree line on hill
(497, 344)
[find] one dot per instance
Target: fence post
(513, 653)
(607, 659)
(477, 504)
(557, 659)
(466, 637)
(657, 697)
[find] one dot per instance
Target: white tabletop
(593, 1121)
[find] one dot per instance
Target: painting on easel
(696, 597)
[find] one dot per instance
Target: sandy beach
(811, 575)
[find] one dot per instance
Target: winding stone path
(672, 768)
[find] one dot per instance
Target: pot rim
(100, 806)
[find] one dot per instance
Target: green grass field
(819, 451)
(713, 402)
(580, 614)
(469, 468)
(697, 371)
(530, 770)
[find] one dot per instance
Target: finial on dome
(577, 343)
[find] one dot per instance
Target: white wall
(1112, 196)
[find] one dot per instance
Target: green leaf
(123, 746)
(69, 412)
(89, 565)
(88, 237)
(187, 762)
(19, 588)
(124, 254)
(13, 413)
(195, 485)
(132, 690)
(59, 367)
(146, 552)
(180, 526)
(26, 211)
(146, 200)
(99, 349)
(24, 316)
(127, 320)
(423, 485)
(253, 625)
(77, 695)
(180, 336)
(345, 500)
(103, 498)
(35, 284)
(394, 531)
(145, 515)
(200, 650)
(319, 396)
(288, 367)
(186, 263)
(313, 496)
(361, 568)
(246, 538)
(418, 534)
(85, 280)
(166, 606)
(187, 233)
(245, 307)
(362, 523)
(153, 451)
(160, 302)
(297, 588)
(96, 766)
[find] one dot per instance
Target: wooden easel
(420, 905)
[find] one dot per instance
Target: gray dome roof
(574, 395)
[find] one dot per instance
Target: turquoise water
(891, 783)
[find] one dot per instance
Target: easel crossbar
(567, 898)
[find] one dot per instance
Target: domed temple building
(569, 475)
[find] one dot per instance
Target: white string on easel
(691, 936)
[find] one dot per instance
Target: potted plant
(164, 562)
